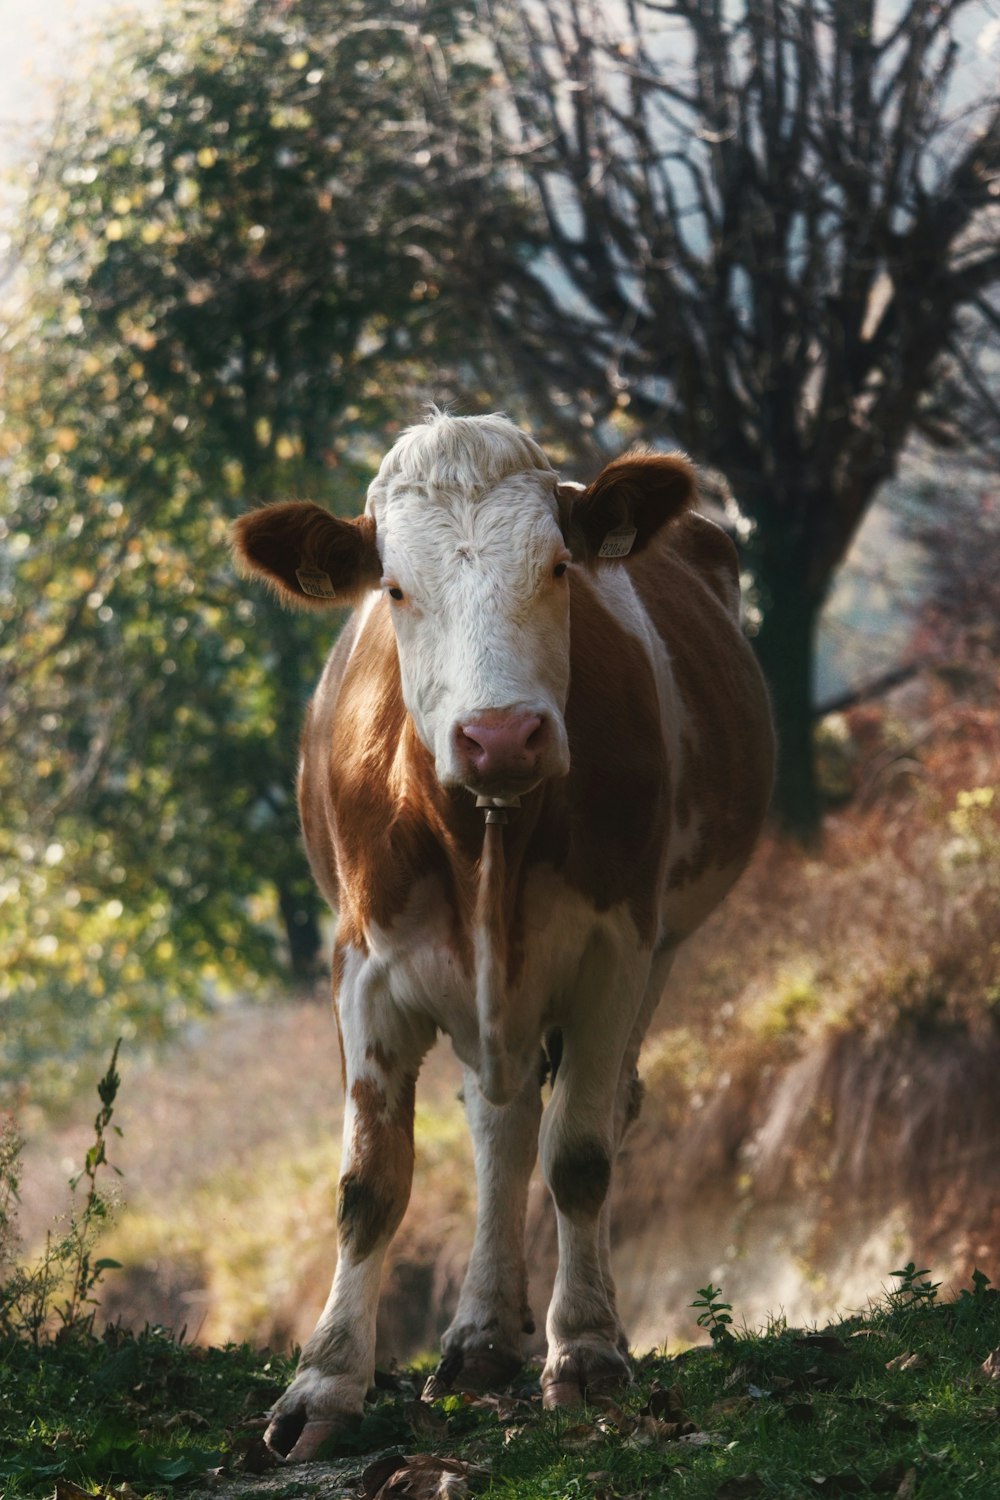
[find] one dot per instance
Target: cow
(539, 754)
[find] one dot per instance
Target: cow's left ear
(311, 558)
(621, 511)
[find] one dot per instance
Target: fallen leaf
(185, 1419)
(729, 1406)
(668, 1404)
(990, 1366)
(376, 1474)
(254, 1456)
(581, 1436)
(651, 1432)
(425, 1420)
(906, 1362)
(419, 1476)
(703, 1439)
(612, 1413)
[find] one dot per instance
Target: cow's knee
(578, 1173)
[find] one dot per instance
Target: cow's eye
(394, 591)
(559, 569)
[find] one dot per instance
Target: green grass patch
(895, 1402)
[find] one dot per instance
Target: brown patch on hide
(605, 823)
(393, 823)
(579, 1178)
(375, 1189)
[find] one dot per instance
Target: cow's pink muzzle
(502, 749)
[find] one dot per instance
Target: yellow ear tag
(315, 583)
(618, 543)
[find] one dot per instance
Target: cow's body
(619, 702)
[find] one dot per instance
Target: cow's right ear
(310, 558)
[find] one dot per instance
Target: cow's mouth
(501, 791)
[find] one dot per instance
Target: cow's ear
(625, 506)
(311, 558)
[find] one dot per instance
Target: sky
(39, 46)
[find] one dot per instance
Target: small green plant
(911, 1291)
(60, 1290)
(716, 1316)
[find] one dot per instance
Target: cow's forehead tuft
(450, 456)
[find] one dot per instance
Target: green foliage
(715, 1316)
(230, 261)
(59, 1293)
(911, 1291)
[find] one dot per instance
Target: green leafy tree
(228, 290)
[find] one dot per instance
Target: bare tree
(767, 222)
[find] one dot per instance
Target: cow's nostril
(537, 736)
(503, 742)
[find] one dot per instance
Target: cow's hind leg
(382, 1054)
(482, 1347)
(581, 1130)
(628, 1102)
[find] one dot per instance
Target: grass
(894, 1402)
(900, 1401)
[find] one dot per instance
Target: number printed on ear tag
(618, 543)
(315, 583)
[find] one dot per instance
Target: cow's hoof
(576, 1372)
(479, 1366)
(308, 1415)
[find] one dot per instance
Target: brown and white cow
(576, 654)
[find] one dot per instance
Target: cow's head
(471, 536)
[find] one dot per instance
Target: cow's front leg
(383, 1050)
(482, 1346)
(587, 1351)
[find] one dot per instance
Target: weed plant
(60, 1291)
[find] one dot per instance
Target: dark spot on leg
(361, 1216)
(580, 1177)
(377, 1053)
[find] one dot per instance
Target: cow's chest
(428, 963)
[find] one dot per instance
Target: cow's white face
(462, 532)
(474, 565)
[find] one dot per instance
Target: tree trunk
(785, 647)
(300, 915)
